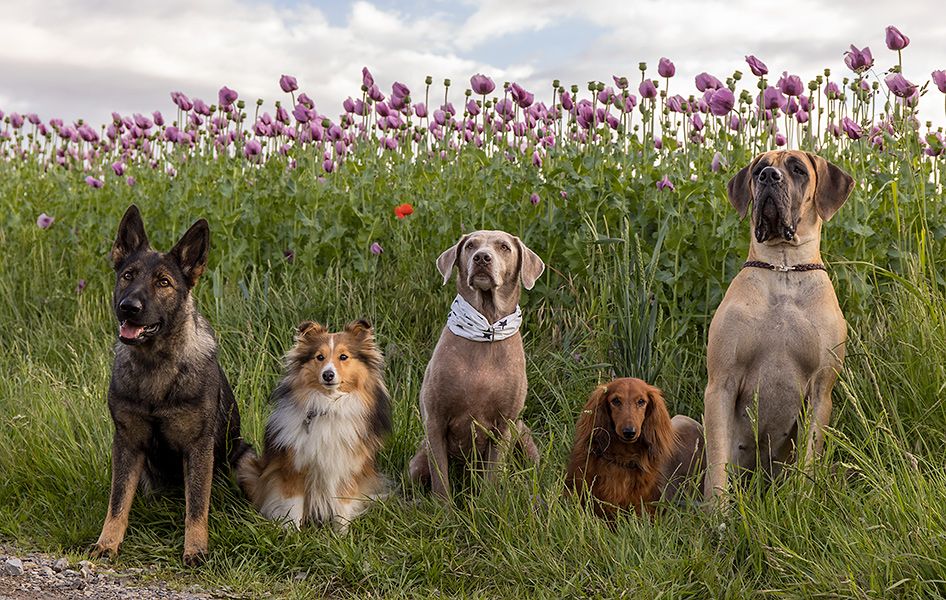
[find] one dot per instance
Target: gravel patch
(35, 576)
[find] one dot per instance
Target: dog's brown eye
(800, 171)
(641, 402)
(127, 276)
(504, 247)
(164, 282)
(615, 402)
(320, 358)
(343, 357)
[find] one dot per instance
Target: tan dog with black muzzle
(776, 343)
(475, 384)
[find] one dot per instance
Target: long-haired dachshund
(622, 438)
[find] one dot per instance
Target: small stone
(13, 567)
(61, 565)
(47, 572)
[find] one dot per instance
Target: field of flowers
(619, 186)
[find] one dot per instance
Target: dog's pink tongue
(129, 331)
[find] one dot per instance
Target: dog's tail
(248, 468)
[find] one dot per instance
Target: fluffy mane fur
(332, 413)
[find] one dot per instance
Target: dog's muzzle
(773, 206)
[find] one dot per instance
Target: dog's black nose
(629, 432)
(770, 175)
(328, 376)
(130, 306)
(482, 257)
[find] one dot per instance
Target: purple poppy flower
(520, 96)
(696, 122)
(899, 85)
(287, 84)
(87, 133)
(802, 116)
(16, 120)
(375, 94)
(301, 113)
(665, 68)
(471, 107)
(252, 148)
(328, 165)
(201, 108)
(757, 67)
(718, 162)
(772, 99)
(665, 184)
(142, 121)
(647, 89)
(677, 103)
(181, 101)
(780, 139)
(736, 122)
(44, 221)
(226, 96)
(376, 248)
(791, 85)
(605, 95)
(81, 286)
(705, 81)
(567, 102)
(721, 101)
(895, 39)
(158, 118)
(92, 181)
(939, 78)
(33, 118)
(852, 129)
(620, 82)
(858, 60)
(420, 109)
(534, 199)
(118, 168)
(366, 79)
(399, 90)
(831, 90)
(481, 84)
(537, 159)
(130, 181)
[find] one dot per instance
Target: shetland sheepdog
(331, 416)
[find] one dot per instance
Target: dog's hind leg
(437, 463)
(127, 464)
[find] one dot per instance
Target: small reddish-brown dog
(622, 439)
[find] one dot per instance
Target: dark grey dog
(174, 412)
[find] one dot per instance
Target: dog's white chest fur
(325, 434)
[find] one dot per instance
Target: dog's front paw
(97, 550)
(194, 559)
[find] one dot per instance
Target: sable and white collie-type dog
(332, 414)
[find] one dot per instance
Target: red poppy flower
(403, 210)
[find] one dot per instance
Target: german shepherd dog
(174, 412)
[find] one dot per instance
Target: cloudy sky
(85, 59)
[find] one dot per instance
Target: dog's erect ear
(602, 427)
(656, 430)
(191, 252)
(360, 329)
(448, 259)
(309, 329)
(739, 192)
(832, 186)
(530, 265)
(131, 237)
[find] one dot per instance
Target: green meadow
(635, 272)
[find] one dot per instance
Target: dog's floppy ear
(656, 430)
(602, 427)
(131, 237)
(530, 265)
(360, 329)
(448, 259)
(832, 186)
(737, 189)
(309, 328)
(191, 252)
